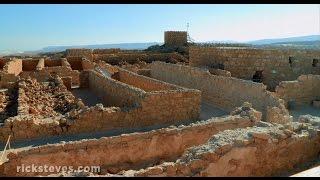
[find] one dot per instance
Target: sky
(32, 27)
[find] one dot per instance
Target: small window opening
(290, 61)
(315, 62)
(257, 77)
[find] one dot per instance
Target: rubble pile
(8, 104)
(47, 98)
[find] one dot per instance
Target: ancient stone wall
(29, 65)
(144, 83)
(113, 92)
(128, 151)
(156, 105)
(75, 63)
(52, 63)
(303, 90)
(82, 53)
(106, 51)
(224, 92)
(13, 67)
(175, 38)
(254, 151)
(117, 58)
(276, 65)
(46, 72)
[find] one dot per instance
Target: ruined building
(220, 112)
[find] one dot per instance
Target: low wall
(162, 107)
(224, 92)
(303, 90)
(254, 151)
(144, 83)
(113, 92)
(115, 59)
(127, 151)
(79, 53)
(139, 109)
(46, 72)
(106, 51)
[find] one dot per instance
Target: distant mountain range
(285, 40)
(127, 46)
(301, 41)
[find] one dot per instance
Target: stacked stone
(175, 38)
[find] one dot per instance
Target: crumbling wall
(175, 38)
(224, 92)
(45, 73)
(81, 53)
(106, 51)
(139, 109)
(303, 90)
(254, 151)
(127, 151)
(118, 58)
(13, 67)
(277, 65)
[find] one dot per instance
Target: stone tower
(175, 38)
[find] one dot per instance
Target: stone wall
(46, 72)
(255, 151)
(118, 58)
(82, 53)
(52, 63)
(75, 63)
(137, 109)
(175, 38)
(144, 83)
(29, 65)
(162, 106)
(13, 67)
(244, 62)
(224, 92)
(303, 90)
(113, 92)
(106, 51)
(127, 151)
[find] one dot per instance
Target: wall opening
(257, 77)
(290, 61)
(315, 62)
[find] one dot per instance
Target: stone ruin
(137, 114)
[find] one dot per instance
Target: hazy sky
(31, 27)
